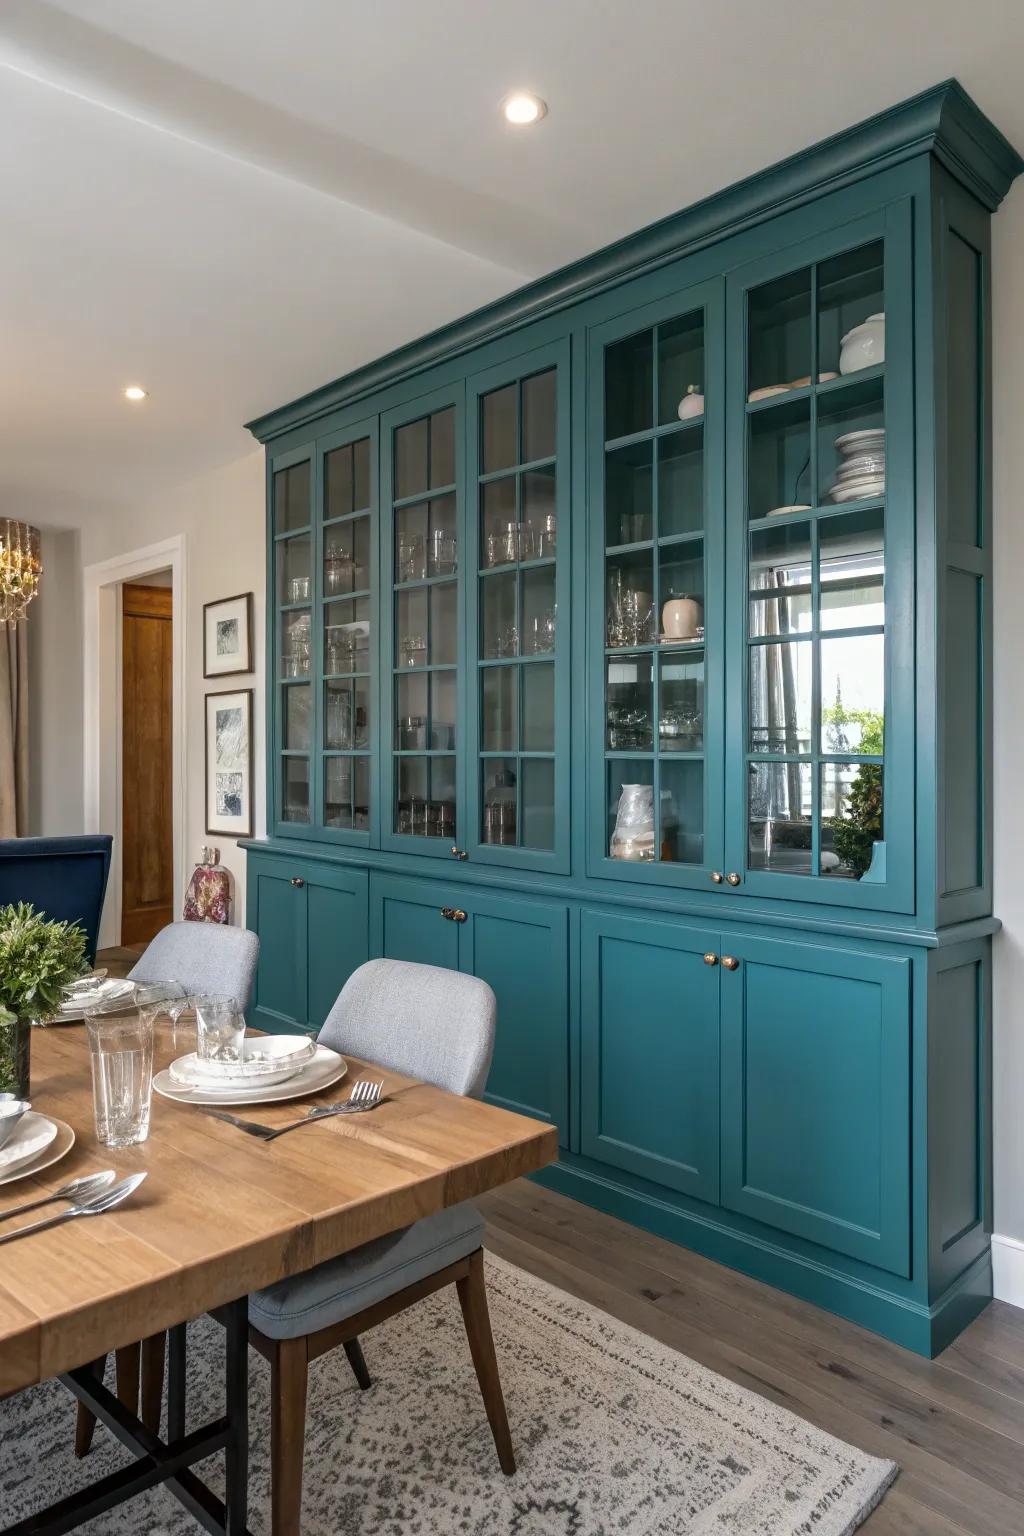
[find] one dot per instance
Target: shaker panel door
(406, 921)
(650, 1051)
(276, 910)
(338, 938)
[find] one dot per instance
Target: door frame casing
(101, 698)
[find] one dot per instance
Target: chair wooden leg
(85, 1423)
(288, 1373)
(473, 1298)
(126, 1370)
(354, 1351)
(154, 1351)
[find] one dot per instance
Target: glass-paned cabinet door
(347, 628)
(656, 590)
(518, 443)
(293, 541)
(421, 561)
(821, 455)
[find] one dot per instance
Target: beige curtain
(13, 730)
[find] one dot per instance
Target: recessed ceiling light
(135, 392)
(522, 107)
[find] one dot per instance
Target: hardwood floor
(955, 1424)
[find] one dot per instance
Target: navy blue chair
(65, 877)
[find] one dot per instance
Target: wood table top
(221, 1213)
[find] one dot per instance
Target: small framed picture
(227, 636)
(229, 763)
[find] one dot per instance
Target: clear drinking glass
(121, 1054)
(220, 1029)
(153, 998)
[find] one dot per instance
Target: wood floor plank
(939, 1477)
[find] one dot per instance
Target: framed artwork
(227, 636)
(229, 763)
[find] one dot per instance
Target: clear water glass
(220, 1029)
(121, 1055)
(152, 998)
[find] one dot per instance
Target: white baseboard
(1008, 1269)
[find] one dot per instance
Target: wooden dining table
(221, 1214)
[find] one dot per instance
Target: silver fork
(94, 1207)
(365, 1095)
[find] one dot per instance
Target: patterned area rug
(616, 1435)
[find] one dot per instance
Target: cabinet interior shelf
(694, 424)
(846, 384)
(542, 563)
(826, 509)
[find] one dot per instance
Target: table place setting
(29, 1142)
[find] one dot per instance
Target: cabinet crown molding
(943, 121)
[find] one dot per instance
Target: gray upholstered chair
(204, 958)
(435, 1025)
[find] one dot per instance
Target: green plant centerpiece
(859, 826)
(38, 958)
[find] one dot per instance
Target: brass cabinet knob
(733, 878)
(297, 880)
(717, 877)
(710, 958)
(730, 962)
(448, 912)
(458, 915)
(459, 853)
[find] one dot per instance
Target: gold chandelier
(20, 569)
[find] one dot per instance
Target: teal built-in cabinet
(629, 646)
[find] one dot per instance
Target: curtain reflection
(774, 699)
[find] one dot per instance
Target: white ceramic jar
(692, 403)
(681, 618)
(864, 346)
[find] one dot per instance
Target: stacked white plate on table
(273, 1068)
(37, 1142)
(861, 472)
(99, 992)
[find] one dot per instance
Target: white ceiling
(233, 202)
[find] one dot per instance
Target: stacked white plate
(272, 1067)
(861, 471)
(93, 992)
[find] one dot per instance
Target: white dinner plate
(858, 490)
(188, 1072)
(869, 440)
(798, 506)
(326, 1067)
(32, 1135)
(107, 996)
(59, 1147)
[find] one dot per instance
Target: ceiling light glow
(522, 108)
(135, 392)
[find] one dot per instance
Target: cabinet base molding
(926, 1330)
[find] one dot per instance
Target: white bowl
(861, 464)
(867, 440)
(864, 346)
(859, 490)
(11, 1111)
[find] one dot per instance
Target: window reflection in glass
(780, 682)
(779, 817)
(853, 695)
(852, 825)
(780, 580)
(852, 567)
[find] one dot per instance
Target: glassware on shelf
(298, 589)
(633, 835)
(339, 571)
(412, 557)
(547, 537)
(630, 615)
(412, 733)
(442, 552)
(527, 541)
(499, 813)
(681, 729)
(412, 649)
(295, 657)
(541, 635)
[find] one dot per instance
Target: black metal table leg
(177, 1340)
(165, 1462)
(236, 1398)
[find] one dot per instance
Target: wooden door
(146, 840)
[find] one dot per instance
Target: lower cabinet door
(650, 1084)
(337, 936)
(816, 1095)
(520, 948)
(276, 912)
(406, 921)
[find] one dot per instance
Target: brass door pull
(733, 878)
(297, 880)
(453, 914)
(448, 912)
(710, 958)
(717, 877)
(459, 853)
(730, 962)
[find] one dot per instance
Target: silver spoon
(104, 1201)
(79, 1189)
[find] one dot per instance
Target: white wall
(221, 517)
(55, 691)
(1008, 683)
